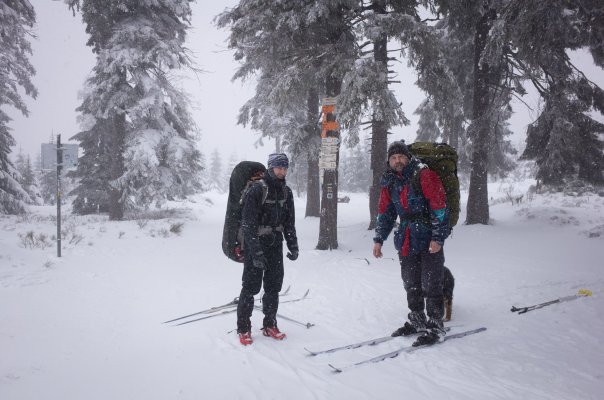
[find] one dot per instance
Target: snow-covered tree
(355, 168)
(91, 195)
(216, 175)
(565, 140)
(130, 99)
(484, 83)
(17, 18)
(28, 179)
(428, 129)
(295, 49)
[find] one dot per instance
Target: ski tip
(335, 369)
(310, 352)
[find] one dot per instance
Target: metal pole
(59, 167)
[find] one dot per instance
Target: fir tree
(294, 48)
(565, 139)
(17, 18)
(470, 28)
(149, 132)
(27, 177)
(427, 130)
(355, 168)
(216, 178)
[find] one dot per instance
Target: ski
(234, 310)
(522, 310)
(405, 349)
(370, 342)
(281, 316)
(230, 304)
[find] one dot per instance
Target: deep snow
(89, 325)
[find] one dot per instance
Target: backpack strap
(282, 202)
(415, 182)
(248, 186)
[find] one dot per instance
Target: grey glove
(260, 261)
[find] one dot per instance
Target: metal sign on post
(59, 168)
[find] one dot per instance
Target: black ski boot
(416, 324)
(435, 333)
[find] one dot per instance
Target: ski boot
(416, 324)
(245, 338)
(274, 332)
(435, 333)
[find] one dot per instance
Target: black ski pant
(252, 280)
(423, 277)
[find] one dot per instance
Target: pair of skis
(522, 310)
(392, 354)
(231, 307)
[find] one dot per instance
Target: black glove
(293, 254)
(260, 261)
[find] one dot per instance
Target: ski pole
(306, 325)
(522, 310)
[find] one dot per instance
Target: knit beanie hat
(278, 160)
(399, 147)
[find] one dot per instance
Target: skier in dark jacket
(267, 218)
(415, 193)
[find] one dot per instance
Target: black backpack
(240, 178)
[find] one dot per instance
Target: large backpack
(240, 178)
(442, 159)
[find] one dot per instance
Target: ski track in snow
(89, 324)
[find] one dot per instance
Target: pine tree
(366, 92)
(428, 129)
(17, 17)
(355, 168)
(565, 139)
(149, 132)
(27, 177)
(216, 178)
(30, 183)
(92, 192)
(487, 91)
(294, 48)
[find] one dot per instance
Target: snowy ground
(89, 325)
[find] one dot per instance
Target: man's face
(280, 172)
(398, 161)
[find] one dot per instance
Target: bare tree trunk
(478, 196)
(313, 190)
(379, 129)
(118, 132)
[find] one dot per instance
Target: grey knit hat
(278, 160)
(399, 147)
